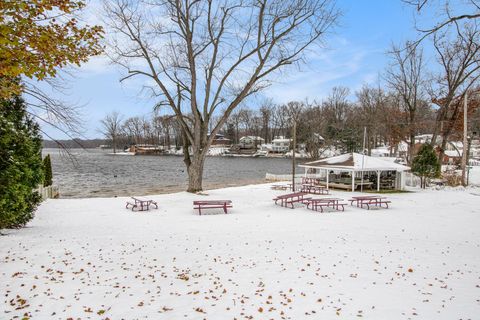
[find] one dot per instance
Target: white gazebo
(362, 169)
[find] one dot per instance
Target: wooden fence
(49, 192)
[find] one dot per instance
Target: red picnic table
(282, 187)
(291, 199)
(141, 204)
(314, 181)
(212, 204)
(314, 189)
(334, 203)
(298, 186)
(368, 201)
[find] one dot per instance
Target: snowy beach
(93, 259)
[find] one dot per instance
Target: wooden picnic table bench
(141, 204)
(334, 203)
(314, 181)
(368, 201)
(212, 204)
(314, 189)
(279, 187)
(291, 199)
(298, 186)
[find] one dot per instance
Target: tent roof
(356, 162)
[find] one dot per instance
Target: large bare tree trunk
(195, 173)
(194, 160)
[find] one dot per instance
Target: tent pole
(353, 180)
(327, 177)
(378, 180)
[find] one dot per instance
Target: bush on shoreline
(21, 166)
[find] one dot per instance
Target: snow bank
(93, 259)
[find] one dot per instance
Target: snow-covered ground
(93, 259)
(474, 176)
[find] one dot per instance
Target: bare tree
(111, 128)
(265, 115)
(279, 121)
(450, 13)
(203, 56)
(406, 77)
(246, 120)
(371, 101)
(133, 128)
(56, 113)
(235, 120)
(335, 110)
(460, 70)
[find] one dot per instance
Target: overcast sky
(355, 55)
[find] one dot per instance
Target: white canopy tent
(358, 163)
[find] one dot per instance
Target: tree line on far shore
(340, 120)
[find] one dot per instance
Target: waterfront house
(280, 144)
(220, 141)
(250, 142)
(145, 149)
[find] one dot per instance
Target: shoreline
(172, 190)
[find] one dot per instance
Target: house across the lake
(221, 141)
(250, 142)
(280, 144)
(145, 149)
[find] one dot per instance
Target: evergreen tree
(47, 167)
(21, 166)
(426, 164)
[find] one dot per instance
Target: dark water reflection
(97, 173)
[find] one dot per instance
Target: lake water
(96, 173)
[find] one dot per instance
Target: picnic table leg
(225, 207)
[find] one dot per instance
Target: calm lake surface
(96, 173)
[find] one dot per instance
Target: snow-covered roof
(356, 162)
(453, 153)
(252, 138)
(457, 144)
(380, 151)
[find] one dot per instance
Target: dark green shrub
(21, 166)
(47, 167)
(426, 164)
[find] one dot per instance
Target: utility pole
(363, 154)
(294, 134)
(465, 140)
(468, 159)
